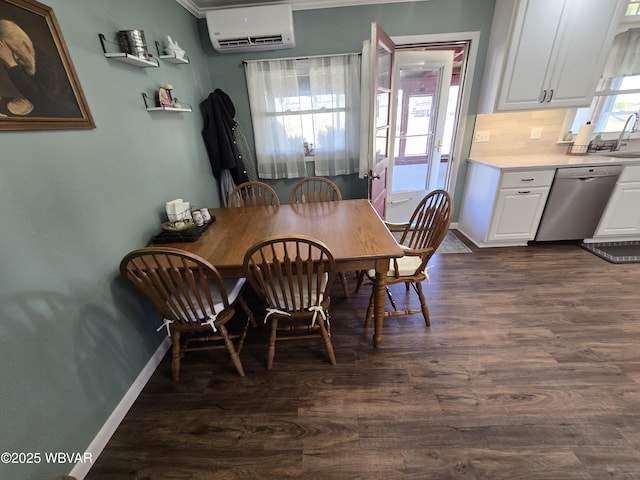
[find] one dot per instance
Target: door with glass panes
(420, 105)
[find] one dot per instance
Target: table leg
(379, 299)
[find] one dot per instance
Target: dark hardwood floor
(530, 370)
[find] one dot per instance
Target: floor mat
(450, 244)
(615, 252)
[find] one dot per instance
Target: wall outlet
(536, 133)
(481, 136)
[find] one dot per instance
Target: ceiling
(199, 7)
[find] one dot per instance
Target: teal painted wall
(73, 337)
(72, 203)
(342, 30)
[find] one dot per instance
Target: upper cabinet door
(528, 62)
(547, 53)
(586, 33)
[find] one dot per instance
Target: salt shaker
(206, 216)
(197, 218)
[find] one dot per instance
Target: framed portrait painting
(39, 87)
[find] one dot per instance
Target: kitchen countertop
(550, 160)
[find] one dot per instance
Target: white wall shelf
(126, 57)
(169, 109)
(154, 108)
(132, 60)
(174, 59)
(171, 58)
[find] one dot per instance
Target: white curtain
(305, 110)
(624, 56)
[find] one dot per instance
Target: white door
(419, 112)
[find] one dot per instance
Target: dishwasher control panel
(587, 172)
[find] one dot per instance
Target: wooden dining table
(353, 231)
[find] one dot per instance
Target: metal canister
(133, 43)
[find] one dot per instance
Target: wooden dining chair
(253, 194)
(294, 275)
(420, 239)
(314, 189)
(195, 303)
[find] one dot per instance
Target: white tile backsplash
(510, 133)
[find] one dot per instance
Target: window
(633, 9)
(305, 110)
(412, 146)
(618, 99)
(618, 93)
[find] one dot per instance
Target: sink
(621, 154)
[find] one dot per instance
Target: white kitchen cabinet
(621, 218)
(517, 213)
(503, 208)
(547, 53)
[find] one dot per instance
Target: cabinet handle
(544, 95)
(550, 96)
(524, 191)
(527, 179)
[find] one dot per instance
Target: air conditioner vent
(249, 41)
(270, 39)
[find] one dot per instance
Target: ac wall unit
(250, 29)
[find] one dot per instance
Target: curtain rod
(244, 62)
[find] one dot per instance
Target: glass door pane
(416, 120)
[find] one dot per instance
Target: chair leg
(235, 359)
(369, 316)
(345, 286)
(326, 337)
(175, 355)
(393, 302)
(361, 275)
(250, 319)
(271, 353)
(423, 303)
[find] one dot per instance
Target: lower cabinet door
(517, 213)
(622, 215)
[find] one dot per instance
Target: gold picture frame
(39, 87)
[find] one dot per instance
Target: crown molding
(198, 8)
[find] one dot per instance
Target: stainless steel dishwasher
(576, 202)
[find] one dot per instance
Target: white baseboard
(100, 441)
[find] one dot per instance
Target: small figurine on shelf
(173, 48)
(308, 149)
(165, 99)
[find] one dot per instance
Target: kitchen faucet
(633, 117)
